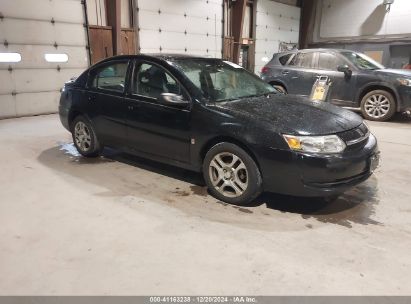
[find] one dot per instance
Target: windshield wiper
(259, 95)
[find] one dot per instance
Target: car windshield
(223, 80)
(362, 61)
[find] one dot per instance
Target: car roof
(161, 56)
(314, 50)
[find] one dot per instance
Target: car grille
(355, 137)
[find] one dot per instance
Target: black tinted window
(302, 60)
(110, 77)
(328, 61)
(151, 80)
(283, 59)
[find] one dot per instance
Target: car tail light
(264, 70)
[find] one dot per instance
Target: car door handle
(285, 72)
(91, 98)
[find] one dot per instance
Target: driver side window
(151, 80)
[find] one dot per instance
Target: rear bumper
(303, 174)
(64, 117)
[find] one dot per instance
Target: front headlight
(404, 81)
(315, 144)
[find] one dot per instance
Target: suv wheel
(84, 137)
(280, 88)
(378, 105)
(231, 174)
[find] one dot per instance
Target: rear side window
(302, 60)
(284, 59)
(328, 61)
(111, 77)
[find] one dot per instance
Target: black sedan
(213, 116)
(357, 80)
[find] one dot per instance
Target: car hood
(394, 72)
(292, 114)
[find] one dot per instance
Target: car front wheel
(84, 137)
(378, 105)
(231, 174)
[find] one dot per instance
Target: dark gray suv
(357, 80)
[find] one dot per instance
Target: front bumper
(304, 174)
(404, 94)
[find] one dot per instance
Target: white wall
(187, 26)
(343, 20)
(275, 23)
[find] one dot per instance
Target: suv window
(328, 61)
(151, 80)
(284, 59)
(302, 60)
(110, 77)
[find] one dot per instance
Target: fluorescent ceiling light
(56, 57)
(10, 57)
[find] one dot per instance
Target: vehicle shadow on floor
(355, 206)
(401, 118)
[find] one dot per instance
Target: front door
(154, 128)
(106, 97)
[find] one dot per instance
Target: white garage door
(276, 23)
(48, 40)
(181, 26)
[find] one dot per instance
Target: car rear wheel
(378, 105)
(231, 174)
(84, 137)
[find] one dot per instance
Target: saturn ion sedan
(213, 116)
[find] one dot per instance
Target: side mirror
(171, 99)
(345, 69)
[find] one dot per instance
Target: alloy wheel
(82, 136)
(377, 106)
(228, 174)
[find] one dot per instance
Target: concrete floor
(122, 225)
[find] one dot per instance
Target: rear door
(342, 89)
(105, 98)
(300, 74)
(154, 128)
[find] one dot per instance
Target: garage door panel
(61, 10)
(7, 82)
(191, 8)
(7, 106)
(36, 80)
(37, 103)
(32, 86)
(276, 22)
(150, 39)
(186, 26)
(32, 56)
(18, 31)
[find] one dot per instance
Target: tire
(378, 105)
(85, 140)
(280, 88)
(241, 181)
